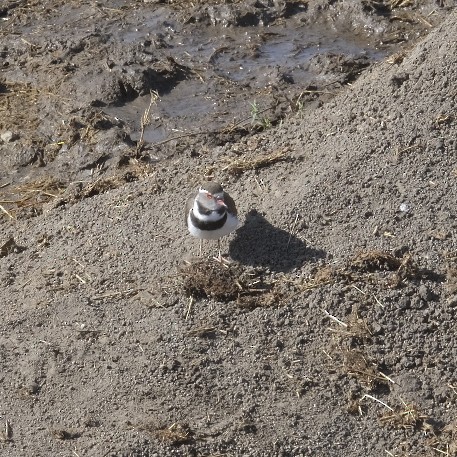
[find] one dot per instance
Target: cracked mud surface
(332, 331)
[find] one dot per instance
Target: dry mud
(333, 330)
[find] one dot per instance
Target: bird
(211, 214)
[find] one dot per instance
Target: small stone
(9, 136)
(376, 329)
(404, 303)
(452, 301)
(404, 207)
(425, 293)
(437, 143)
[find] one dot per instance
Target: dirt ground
(333, 330)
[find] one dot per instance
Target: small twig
(202, 331)
(79, 277)
(377, 301)
(442, 452)
(292, 229)
(78, 262)
(27, 282)
(422, 19)
(387, 377)
(327, 354)
(377, 400)
(114, 294)
(28, 42)
(238, 166)
(6, 212)
(84, 267)
(400, 151)
(7, 434)
(145, 119)
(39, 191)
(360, 290)
(334, 318)
(189, 307)
(259, 184)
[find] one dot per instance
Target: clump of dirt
(9, 247)
(175, 434)
(372, 261)
(375, 261)
(358, 365)
(210, 278)
(63, 434)
(349, 348)
(227, 282)
(363, 267)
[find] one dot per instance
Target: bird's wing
(189, 205)
(230, 204)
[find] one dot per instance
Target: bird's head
(211, 197)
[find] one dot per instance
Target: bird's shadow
(259, 243)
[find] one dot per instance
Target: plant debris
(7, 433)
(35, 194)
(355, 327)
(406, 416)
(238, 166)
(357, 364)
(446, 442)
(372, 261)
(202, 332)
(175, 434)
(324, 275)
(362, 268)
(30, 195)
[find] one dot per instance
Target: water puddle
(232, 68)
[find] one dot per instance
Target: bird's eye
(209, 196)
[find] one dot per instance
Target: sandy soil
(333, 330)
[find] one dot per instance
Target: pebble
(425, 293)
(404, 207)
(404, 303)
(9, 136)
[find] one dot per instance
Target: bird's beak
(221, 202)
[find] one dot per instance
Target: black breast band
(207, 225)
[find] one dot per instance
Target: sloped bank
(96, 362)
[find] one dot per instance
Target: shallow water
(225, 62)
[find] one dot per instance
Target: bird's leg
(219, 258)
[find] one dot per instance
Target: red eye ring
(209, 196)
